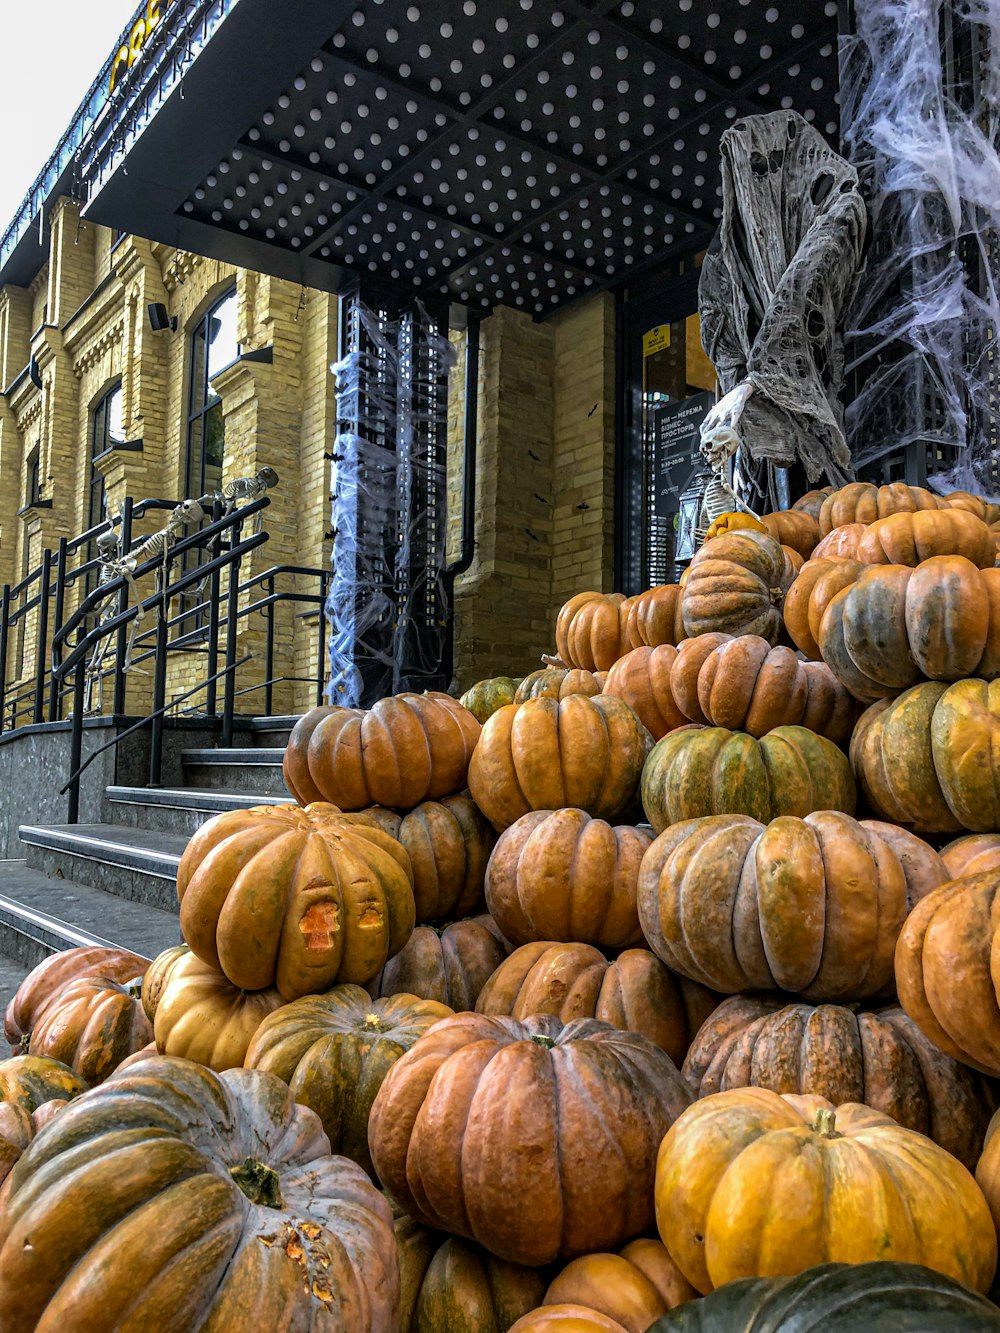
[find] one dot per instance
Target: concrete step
(41, 913)
(12, 973)
(177, 809)
(139, 865)
(272, 732)
(238, 769)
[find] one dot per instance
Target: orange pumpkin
(53, 973)
(813, 906)
(202, 1016)
(405, 749)
(18, 1127)
(30, 1081)
(548, 753)
(924, 869)
(635, 993)
(815, 587)
(970, 854)
(862, 502)
(654, 617)
(987, 510)
(737, 1168)
(642, 679)
(909, 539)
(299, 899)
(841, 543)
(737, 520)
(92, 1024)
(795, 528)
(448, 843)
(555, 683)
(450, 964)
(590, 630)
(567, 1319)
(812, 502)
(634, 1287)
(736, 585)
(988, 1168)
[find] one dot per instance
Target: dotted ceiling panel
(513, 150)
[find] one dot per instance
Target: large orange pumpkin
(909, 539)
(812, 502)
(882, 1059)
(863, 502)
(930, 759)
(556, 683)
(405, 749)
(736, 585)
(196, 1202)
(202, 1016)
(590, 630)
(654, 617)
(642, 679)
(970, 854)
(548, 753)
(560, 875)
(298, 899)
(815, 587)
(842, 543)
(537, 1139)
(92, 1024)
(634, 1287)
(813, 906)
(753, 1184)
(55, 972)
(449, 844)
(795, 528)
(450, 964)
(636, 992)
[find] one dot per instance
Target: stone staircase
(114, 882)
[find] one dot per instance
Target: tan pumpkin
(794, 528)
(634, 1287)
(590, 630)
(560, 875)
(863, 502)
(737, 520)
(812, 501)
(298, 899)
(478, 1131)
(944, 969)
(909, 539)
(547, 753)
(970, 854)
(55, 972)
(750, 1183)
(987, 510)
(405, 749)
(988, 1169)
(897, 625)
(450, 964)
(334, 1051)
(813, 906)
(155, 977)
(930, 759)
(567, 1319)
(924, 869)
(654, 617)
(642, 679)
(555, 683)
(746, 685)
(879, 1058)
(18, 1127)
(448, 843)
(840, 544)
(815, 587)
(202, 1016)
(635, 992)
(736, 585)
(92, 1024)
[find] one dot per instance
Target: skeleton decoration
(774, 287)
(243, 488)
(107, 554)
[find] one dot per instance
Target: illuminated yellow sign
(142, 30)
(656, 340)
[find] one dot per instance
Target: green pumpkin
(838, 1298)
(486, 696)
(712, 771)
(30, 1080)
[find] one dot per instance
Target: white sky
(50, 55)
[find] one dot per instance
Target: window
(107, 430)
(214, 346)
(32, 480)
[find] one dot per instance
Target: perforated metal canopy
(494, 150)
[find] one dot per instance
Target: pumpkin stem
(24, 1043)
(258, 1182)
(134, 988)
(777, 596)
(373, 1023)
(826, 1124)
(547, 1042)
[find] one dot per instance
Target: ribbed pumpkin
(970, 854)
(642, 679)
(560, 875)
(156, 974)
(753, 1184)
(930, 759)
(455, 1286)
(555, 683)
(736, 520)
(197, 1202)
(450, 964)
(945, 969)
(536, 1139)
(202, 1016)
(29, 1081)
(909, 539)
(794, 528)
(815, 587)
(654, 617)
(403, 750)
(713, 771)
(18, 1127)
(863, 502)
(334, 1051)
(92, 1024)
(838, 1298)
(635, 992)
(842, 543)
(293, 898)
(880, 1058)
(590, 630)
(987, 510)
(736, 585)
(924, 869)
(567, 1319)
(895, 625)
(813, 906)
(812, 501)
(486, 696)
(55, 972)
(633, 1287)
(449, 844)
(548, 753)
(746, 685)
(988, 1168)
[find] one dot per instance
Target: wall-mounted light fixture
(159, 320)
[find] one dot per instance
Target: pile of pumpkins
(658, 990)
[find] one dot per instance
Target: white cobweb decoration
(922, 333)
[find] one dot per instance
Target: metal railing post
(121, 640)
(232, 611)
(269, 650)
(55, 693)
(321, 651)
(214, 592)
(4, 641)
(42, 637)
(76, 743)
(159, 698)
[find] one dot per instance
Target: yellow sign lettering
(141, 32)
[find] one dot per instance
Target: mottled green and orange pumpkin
(29, 1081)
(450, 964)
(92, 1024)
(557, 683)
(736, 584)
(486, 696)
(57, 971)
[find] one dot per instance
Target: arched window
(214, 346)
(107, 429)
